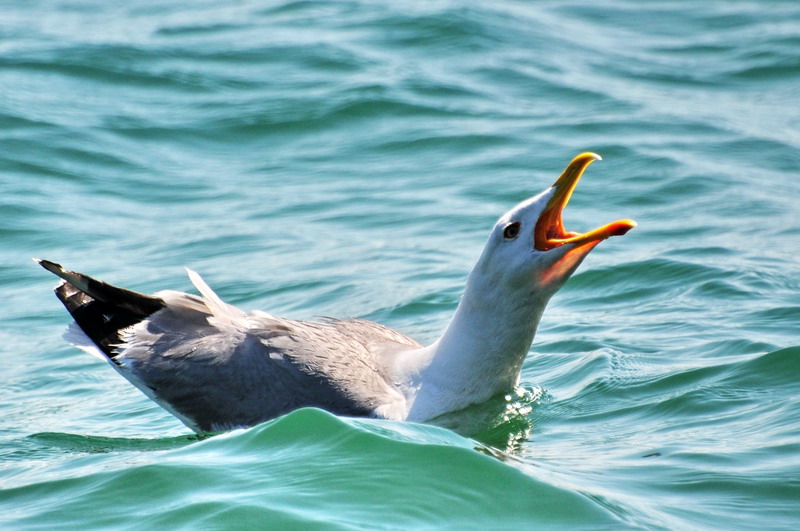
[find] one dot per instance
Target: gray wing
(218, 368)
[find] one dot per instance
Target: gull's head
(530, 249)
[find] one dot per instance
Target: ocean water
(348, 159)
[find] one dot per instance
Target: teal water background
(348, 159)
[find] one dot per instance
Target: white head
(530, 252)
(527, 258)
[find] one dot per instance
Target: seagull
(216, 367)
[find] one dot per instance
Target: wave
(306, 468)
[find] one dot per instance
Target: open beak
(550, 232)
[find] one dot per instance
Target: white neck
(479, 355)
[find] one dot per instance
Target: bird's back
(226, 374)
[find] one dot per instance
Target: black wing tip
(101, 310)
(47, 264)
(138, 303)
(55, 268)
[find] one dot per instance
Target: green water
(348, 159)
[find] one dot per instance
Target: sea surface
(330, 158)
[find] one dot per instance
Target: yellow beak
(549, 231)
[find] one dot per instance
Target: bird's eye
(511, 231)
